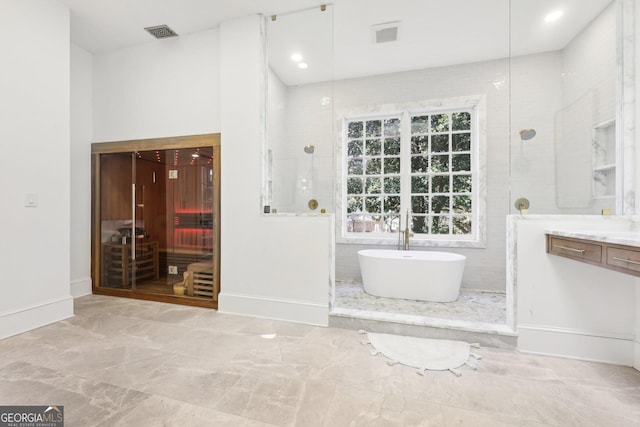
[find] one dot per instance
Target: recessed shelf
(604, 167)
(603, 160)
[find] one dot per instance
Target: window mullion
(405, 163)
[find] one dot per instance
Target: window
(424, 162)
(373, 174)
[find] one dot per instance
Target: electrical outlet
(173, 269)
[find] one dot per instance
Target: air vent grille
(161, 32)
(385, 33)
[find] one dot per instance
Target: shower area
(381, 109)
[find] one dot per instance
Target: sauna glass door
(158, 223)
(190, 232)
(117, 224)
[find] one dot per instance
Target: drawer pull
(581, 251)
(630, 261)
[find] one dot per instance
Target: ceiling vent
(385, 33)
(161, 32)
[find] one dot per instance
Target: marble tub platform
(475, 316)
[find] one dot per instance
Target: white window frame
(477, 104)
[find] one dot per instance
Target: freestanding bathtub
(416, 275)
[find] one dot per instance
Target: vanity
(613, 250)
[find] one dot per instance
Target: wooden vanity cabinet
(621, 258)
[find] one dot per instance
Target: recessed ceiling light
(296, 57)
(195, 155)
(553, 16)
(303, 65)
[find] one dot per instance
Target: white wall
(636, 359)
(34, 133)
(637, 174)
(589, 65)
(273, 266)
(81, 136)
(162, 88)
(568, 308)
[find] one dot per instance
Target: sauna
(156, 219)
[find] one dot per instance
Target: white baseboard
(636, 354)
(616, 349)
(28, 318)
(271, 308)
(81, 287)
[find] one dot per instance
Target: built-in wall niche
(604, 159)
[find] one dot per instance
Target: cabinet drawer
(578, 250)
(623, 258)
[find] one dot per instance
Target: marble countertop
(629, 238)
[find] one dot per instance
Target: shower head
(527, 134)
(309, 149)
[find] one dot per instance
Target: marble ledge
(297, 214)
(560, 217)
(487, 328)
(628, 238)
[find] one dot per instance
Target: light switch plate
(30, 200)
(173, 174)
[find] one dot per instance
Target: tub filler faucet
(406, 234)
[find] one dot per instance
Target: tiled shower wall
(542, 85)
(563, 100)
(489, 78)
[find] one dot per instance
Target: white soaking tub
(416, 275)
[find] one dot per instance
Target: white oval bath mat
(423, 353)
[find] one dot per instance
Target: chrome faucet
(406, 233)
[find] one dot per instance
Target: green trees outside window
(420, 162)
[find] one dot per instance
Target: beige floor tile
(122, 362)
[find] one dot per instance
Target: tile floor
(122, 362)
